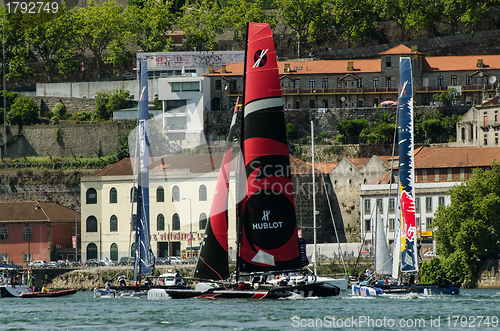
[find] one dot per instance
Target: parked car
(37, 264)
(125, 260)
(175, 260)
(161, 261)
(192, 260)
(430, 253)
(53, 264)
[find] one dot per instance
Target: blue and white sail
(407, 240)
(143, 253)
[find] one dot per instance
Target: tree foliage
(467, 231)
(447, 98)
(23, 111)
(351, 128)
(108, 101)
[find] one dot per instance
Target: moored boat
(49, 294)
(9, 291)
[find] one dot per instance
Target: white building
(180, 199)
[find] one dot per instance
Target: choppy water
(397, 312)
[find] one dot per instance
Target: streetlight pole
(190, 227)
(76, 232)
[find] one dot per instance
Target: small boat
(9, 291)
(365, 291)
(104, 293)
(50, 294)
(445, 290)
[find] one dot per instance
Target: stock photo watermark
(456, 321)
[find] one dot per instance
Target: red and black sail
(213, 258)
(268, 239)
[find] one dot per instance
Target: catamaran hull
(9, 291)
(48, 294)
(366, 291)
(449, 290)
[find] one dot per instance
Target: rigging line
(333, 220)
(202, 260)
(362, 244)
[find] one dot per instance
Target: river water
(472, 309)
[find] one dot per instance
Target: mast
(142, 263)
(314, 198)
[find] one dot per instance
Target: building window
(367, 206)
(160, 194)
(133, 194)
(296, 83)
(424, 175)
(113, 252)
(453, 80)
(485, 139)
(176, 222)
(91, 195)
(436, 175)
(467, 80)
(417, 205)
(218, 85)
(496, 138)
(361, 82)
(368, 225)
(428, 204)
(388, 62)
(428, 223)
(27, 257)
(391, 224)
(387, 81)
(312, 83)
(91, 225)
(176, 193)
(375, 81)
(176, 86)
(113, 224)
(4, 233)
(27, 233)
(203, 193)
(203, 221)
(380, 206)
(133, 222)
(160, 223)
(4, 258)
(441, 201)
(113, 196)
(339, 83)
(190, 86)
(324, 83)
(391, 205)
(91, 251)
(462, 173)
(440, 80)
(450, 175)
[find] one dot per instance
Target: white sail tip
(264, 258)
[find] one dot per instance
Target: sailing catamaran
(268, 243)
(405, 253)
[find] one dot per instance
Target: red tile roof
(325, 167)
(397, 50)
(36, 212)
(309, 67)
(454, 63)
(456, 157)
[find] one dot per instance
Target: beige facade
(181, 209)
(480, 127)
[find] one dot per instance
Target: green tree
(149, 24)
(23, 111)
(432, 128)
(299, 16)
(467, 231)
(201, 23)
(351, 128)
(108, 101)
(431, 272)
(52, 37)
(100, 25)
(447, 98)
(238, 12)
(349, 19)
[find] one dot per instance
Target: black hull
(146, 288)
(48, 294)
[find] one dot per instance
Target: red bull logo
(408, 214)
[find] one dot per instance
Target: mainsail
(213, 258)
(268, 238)
(143, 253)
(382, 255)
(406, 241)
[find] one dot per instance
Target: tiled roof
(397, 50)
(325, 167)
(359, 162)
(35, 211)
(456, 157)
(196, 163)
(454, 63)
(309, 67)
